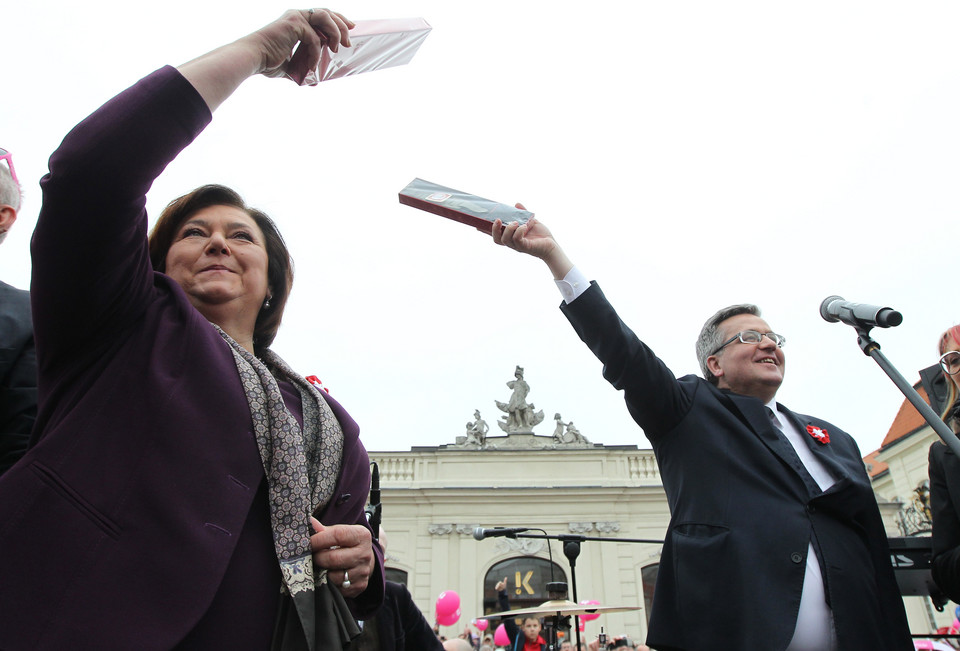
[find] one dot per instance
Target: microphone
(374, 508)
(511, 532)
(834, 309)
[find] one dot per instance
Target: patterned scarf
(301, 466)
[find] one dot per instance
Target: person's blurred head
(457, 644)
(531, 627)
(10, 194)
(271, 278)
(566, 646)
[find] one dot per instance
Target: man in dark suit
(775, 539)
(399, 625)
(18, 362)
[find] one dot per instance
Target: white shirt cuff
(572, 285)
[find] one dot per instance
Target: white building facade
(434, 498)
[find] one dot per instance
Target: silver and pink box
(459, 206)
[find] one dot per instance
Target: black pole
(571, 549)
(872, 349)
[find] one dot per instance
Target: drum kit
(562, 608)
(555, 610)
(559, 608)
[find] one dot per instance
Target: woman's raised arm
(271, 50)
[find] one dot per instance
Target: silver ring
(346, 579)
(310, 11)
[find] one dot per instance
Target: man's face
(566, 646)
(531, 629)
(748, 369)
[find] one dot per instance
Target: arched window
(395, 575)
(527, 578)
(649, 574)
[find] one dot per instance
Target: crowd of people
(162, 420)
(472, 639)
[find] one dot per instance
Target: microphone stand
(872, 349)
(571, 549)
(374, 509)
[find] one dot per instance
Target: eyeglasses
(752, 337)
(950, 362)
(7, 156)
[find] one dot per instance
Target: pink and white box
(375, 44)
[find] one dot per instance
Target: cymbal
(562, 607)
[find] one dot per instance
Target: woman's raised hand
(288, 47)
(313, 29)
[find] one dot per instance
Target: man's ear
(7, 216)
(714, 366)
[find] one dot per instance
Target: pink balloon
(589, 616)
(500, 636)
(447, 602)
(449, 619)
(481, 624)
(583, 625)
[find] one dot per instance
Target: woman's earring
(266, 303)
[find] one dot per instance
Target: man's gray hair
(10, 194)
(9, 189)
(711, 337)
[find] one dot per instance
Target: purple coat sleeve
(93, 220)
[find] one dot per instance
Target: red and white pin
(819, 434)
(315, 381)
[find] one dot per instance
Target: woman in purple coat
(179, 470)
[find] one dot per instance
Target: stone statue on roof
(567, 434)
(477, 431)
(521, 417)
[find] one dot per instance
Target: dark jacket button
(796, 557)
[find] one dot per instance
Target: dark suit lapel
(753, 413)
(825, 452)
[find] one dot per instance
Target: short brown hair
(279, 262)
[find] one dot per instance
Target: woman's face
(952, 345)
(219, 258)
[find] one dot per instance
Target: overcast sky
(687, 155)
